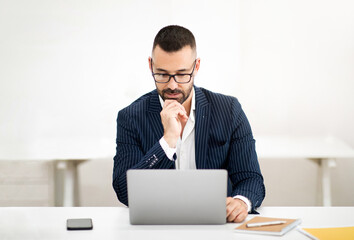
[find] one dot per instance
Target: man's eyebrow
(161, 70)
(182, 70)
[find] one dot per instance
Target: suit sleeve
(130, 154)
(243, 167)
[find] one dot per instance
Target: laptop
(173, 197)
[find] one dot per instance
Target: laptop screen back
(177, 196)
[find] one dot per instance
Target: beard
(185, 94)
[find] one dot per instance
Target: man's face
(180, 62)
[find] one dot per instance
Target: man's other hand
(236, 210)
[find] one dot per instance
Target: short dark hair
(173, 38)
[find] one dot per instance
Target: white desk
(325, 151)
(67, 154)
(113, 223)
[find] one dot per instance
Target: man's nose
(172, 83)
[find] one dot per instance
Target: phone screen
(79, 224)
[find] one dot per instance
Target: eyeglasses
(179, 78)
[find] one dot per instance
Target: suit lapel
(154, 110)
(201, 128)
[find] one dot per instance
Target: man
(182, 126)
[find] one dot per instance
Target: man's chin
(180, 100)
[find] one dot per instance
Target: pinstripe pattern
(223, 136)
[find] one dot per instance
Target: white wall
(297, 78)
(297, 66)
(67, 67)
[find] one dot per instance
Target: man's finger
(168, 102)
(233, 215)
(231, 204)
(171, 102)
(183, 116)
(173, 107)
(228, 200)
(230, 209)
(173, 111)
(240, 217)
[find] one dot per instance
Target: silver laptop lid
(177, 196)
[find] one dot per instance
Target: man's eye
(164, 75)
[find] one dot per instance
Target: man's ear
(197, 65)
(150, 59)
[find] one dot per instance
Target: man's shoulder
(224, 109)
(215, 98)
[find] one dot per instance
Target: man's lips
(172, 95)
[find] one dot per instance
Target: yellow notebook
(279, 230)
(342, 233)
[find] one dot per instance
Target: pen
(261, 224)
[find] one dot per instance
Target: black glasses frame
(174, 75)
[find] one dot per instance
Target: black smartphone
(79, 224)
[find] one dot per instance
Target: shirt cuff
(246, 200)
(170, 152)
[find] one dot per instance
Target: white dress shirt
(185, 147)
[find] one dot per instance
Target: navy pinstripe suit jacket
(223, 140)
